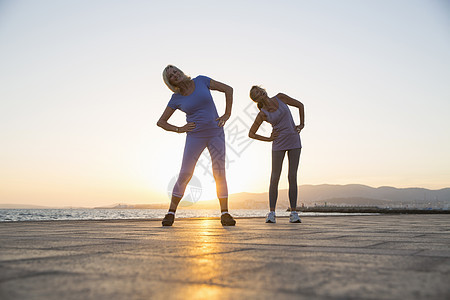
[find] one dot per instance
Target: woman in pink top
(285, 138)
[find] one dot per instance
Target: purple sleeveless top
(282, 122)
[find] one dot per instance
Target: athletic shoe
(227, 220)
(271, 217)
(168, 220)
(294, 218)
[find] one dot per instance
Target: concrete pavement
(351, 257)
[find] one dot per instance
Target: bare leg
(223, 204)
(174, 203)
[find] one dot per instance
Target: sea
(17, 215)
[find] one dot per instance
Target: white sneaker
(271, 217)
(294, 218)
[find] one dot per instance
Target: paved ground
(358, 257)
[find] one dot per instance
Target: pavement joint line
(77, 246)
(309, 248)
(35, 274)
(190, 282)
(264, 267)
(420, 235)
(426, 255)
(126, 240)
(418, 253)
(126, 252)
(193, 256)
(216, 253)
(53, 257)
(376, 244)
(210, 283)
(334, 237)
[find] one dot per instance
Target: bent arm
(293, 102)
(162, 122)
(228, 90)
(252, 132)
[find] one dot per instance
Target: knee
(184, 178)
(219, 174)
(292, 176)
(274, 179)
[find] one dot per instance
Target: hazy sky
(81, 92)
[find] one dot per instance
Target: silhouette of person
(204, 129)
(285, 138)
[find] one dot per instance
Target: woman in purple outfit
(204, 129)
(285, 138)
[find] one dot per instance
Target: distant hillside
(325, 194)
(313, 195)
(352, 194)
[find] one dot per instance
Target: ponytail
(254, 96)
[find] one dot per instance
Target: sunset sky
(81, 91)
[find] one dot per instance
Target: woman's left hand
(299, 127)
(223, 119)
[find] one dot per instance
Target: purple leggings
(192, 150)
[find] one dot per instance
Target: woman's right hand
(188, 127)
(273, 135)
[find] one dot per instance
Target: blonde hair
(253, 95)
(173, 88)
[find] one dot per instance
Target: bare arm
(292, 102)
(252, 132)
(162, 122)
(228, 90)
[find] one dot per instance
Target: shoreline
(378, 210)
(144, 216)
(183, 218)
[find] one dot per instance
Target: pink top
(282, 122)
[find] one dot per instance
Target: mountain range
(351, 195)
(317, 195)
(326, 194)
